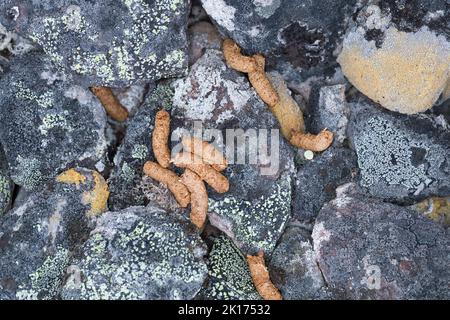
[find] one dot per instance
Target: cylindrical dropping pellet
(199, 197)
(206, 151)
(160, 138)
(112, 105)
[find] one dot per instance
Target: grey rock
(138, 253)
(401, 158)
(214, 97)
(304, 34)
(6, 184)
(317, 180)
(368, 249)
(110, 43)
(202, 36)
(38, 238)
(132, 97)
(328, 109)
(47, 125)
(229, 275)
(293, 267)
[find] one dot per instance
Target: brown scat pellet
(261, 278)
(160, 138)
(308, 141)
(209, 154)
(199, 197)
(171, 180)
(215, 179)
(112, 105)
(235, 59)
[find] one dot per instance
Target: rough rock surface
(138, 253)
(253, 213)
(367, 249)
(111, 43)
(6, 184)
(293, 267)
(400, 157)
(46, 124)
(229, 275)
(38, 238)
(392, 53)
(303, 35)
(317, 180)
(202, 36)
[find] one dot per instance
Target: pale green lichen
(127, 172)
(53, 120)
(162, 95)
(140, 152)
(5, 191)
(28, 172)
(45, 100)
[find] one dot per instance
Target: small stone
(46, 124)
(139, 253)
(229, 275)
(368, 249)
(308, 154)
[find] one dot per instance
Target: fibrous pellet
(112, 105)
(206, 151)
(261, 83)
(199, 197)
(215, 179)
(235, 59)
(314, 142)
(171, 180)
(261, 278)
(160, 138)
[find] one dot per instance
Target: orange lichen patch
(171, 180)
(407, 74)
(199, 197)
(235, 59)
(160, 138)
(112, 105)
(287, 111)
(206, 151)
(98, 197)
(314, 142)
(261, 278)
(437, 209)
(71, 176)
(215, 179)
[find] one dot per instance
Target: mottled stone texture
(112, 43)
(6, 184)
(368, 249)
(46, 124)
(401, 158)
(138, 253)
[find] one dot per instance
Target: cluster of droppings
(258, 224)
(229, 275)
(146, 44)
(139, 253)
(47, 279)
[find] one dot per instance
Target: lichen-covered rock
(38, 238)
(126, 177)
(46, 124)
(317, 180)
(229, 275)
(138, 253)
(396, 50)
(328, 108)
(401, 157)
(111, 43)
(293, 267)
(6, 184)
(368, 249)
(301, 34)
(255, 209)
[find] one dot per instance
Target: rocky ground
(366, 219)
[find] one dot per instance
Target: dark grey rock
(6, 184)
(229, 275)
(47, 125)
(38, 238)
(317, 180)
(304, 34)
(401, 157)
(214, 97)
(138, 253)
(202, 36)
(111, 43)
(368, 249)
(293, 267)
